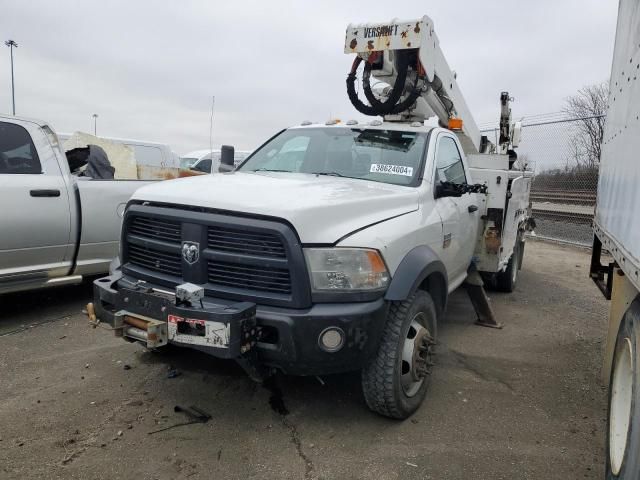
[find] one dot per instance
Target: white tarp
(121, 156)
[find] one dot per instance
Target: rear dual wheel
(506, 281)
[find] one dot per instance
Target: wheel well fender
(421, 268)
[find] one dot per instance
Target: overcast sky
(149, 69)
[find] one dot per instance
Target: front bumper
(290, 340)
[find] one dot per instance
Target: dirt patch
(522, 402)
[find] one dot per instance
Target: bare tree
(588, 106)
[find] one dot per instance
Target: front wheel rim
(417, 353)
(620, 410)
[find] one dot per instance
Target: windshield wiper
(270, 170)
(331, 174)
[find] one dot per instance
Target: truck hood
(322, 209)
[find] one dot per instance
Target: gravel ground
(575, 232)
(524, 402)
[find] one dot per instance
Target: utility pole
(11, 44)
(95, 124)
(213, 104)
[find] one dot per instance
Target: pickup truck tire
(396, 379)
(506, 281)
(623, 413)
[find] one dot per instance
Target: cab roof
(15, 118)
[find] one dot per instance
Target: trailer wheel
(396, 379)
(506, 281)
(623, 419)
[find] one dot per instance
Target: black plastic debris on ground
(195, 414)
(276, 401)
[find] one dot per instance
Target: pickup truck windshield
(388, 156)
(187, 162)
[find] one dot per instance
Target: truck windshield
(388, 156)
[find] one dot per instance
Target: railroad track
(567, 197)
(564, 216)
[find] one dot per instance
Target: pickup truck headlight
(346, 269)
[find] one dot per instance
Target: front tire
(623, 418)
(396, 379)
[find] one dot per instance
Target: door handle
(472, 208)
(45, 193)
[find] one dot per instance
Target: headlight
(346, 269)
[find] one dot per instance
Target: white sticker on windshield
(391, 169)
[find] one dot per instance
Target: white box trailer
(617, 229)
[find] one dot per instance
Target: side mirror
(447, 189)
(227, 154)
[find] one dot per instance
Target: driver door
(35, 222)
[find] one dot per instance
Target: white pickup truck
(333, 247)
(339, 257)
(55, 228)
(208, 161)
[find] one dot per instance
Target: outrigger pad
(481, 304)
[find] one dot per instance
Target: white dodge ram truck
(334, 246)
(331, 248)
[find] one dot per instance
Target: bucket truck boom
(406, 55)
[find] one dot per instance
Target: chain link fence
(563, 192)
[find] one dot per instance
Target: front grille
(245, 242)
(275, 280)
(155, 228)
(239, 258)
(156, 260)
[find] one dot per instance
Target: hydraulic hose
(392, 104)
(411, 98)
(436, 85)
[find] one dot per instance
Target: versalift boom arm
(406, 55)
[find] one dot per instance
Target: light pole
(95, 124)
(11, 44)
